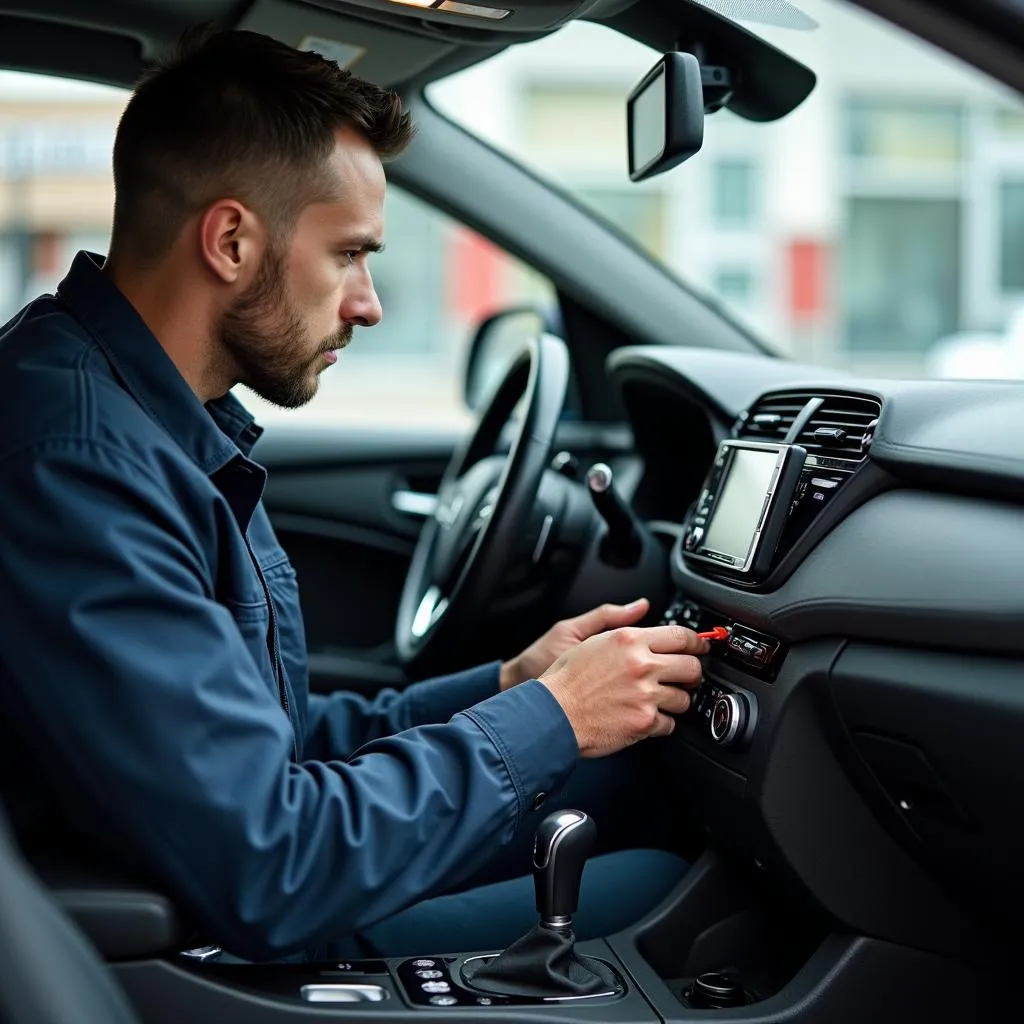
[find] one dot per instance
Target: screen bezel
(781, 489)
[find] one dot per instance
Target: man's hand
(622, 686)
(565, 635)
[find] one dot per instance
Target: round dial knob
(728, 718)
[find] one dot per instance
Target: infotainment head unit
(744, 506)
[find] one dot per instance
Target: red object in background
(807, 263)
(475, 276)
(47, 254)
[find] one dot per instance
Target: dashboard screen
(738, 509)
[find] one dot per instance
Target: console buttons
(424, 963)
(428, 974)
(443, 1000)
(701, 698)
(728, 718)
(436, 986)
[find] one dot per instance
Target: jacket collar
(211, 435)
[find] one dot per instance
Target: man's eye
(350, 256)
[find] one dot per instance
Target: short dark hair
(237, 114)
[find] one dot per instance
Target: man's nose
(360, 304)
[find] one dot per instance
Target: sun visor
(520, 17)
(373, 51)
(391, 42)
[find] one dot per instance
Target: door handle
(414, 503)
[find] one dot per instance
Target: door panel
(331, 495)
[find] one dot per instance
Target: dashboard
(858, 733)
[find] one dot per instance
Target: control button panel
(728, 718)
(747, 649)
(726, 714)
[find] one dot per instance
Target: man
(152, 657)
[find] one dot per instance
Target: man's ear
(231, 241)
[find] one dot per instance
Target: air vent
(839, 427)
(771, 417)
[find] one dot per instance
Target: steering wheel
(483, 505)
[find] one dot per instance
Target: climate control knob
(728, 719)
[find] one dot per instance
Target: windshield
(878, 228)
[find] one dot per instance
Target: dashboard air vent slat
(771, 417)
(838, 427)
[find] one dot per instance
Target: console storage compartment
(764, 951)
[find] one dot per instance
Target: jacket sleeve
(340, 723)
(158, 735)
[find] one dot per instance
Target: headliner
(109, 41)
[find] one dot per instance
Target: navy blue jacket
(153, 666)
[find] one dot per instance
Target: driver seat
(50, 973)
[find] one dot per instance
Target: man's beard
(263, 334)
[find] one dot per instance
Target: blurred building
(56, 192)
(884, 214)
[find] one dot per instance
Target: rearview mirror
(665, 116)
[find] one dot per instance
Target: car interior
(847, 783)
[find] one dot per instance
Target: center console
(726, 944)
(736, 939)
(545, 971)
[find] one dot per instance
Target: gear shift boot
(544, 964)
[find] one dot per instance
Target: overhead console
(790, 456)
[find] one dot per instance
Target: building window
(901, 273)
(734, 195)
(734, 284)
(1011, 230)
(880, 130)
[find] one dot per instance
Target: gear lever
(544, 964)
(623, 544)
(560, 851)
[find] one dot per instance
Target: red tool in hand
(718, 633)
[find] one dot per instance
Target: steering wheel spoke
(429, 611)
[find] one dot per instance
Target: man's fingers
(663, 726)
(674, 640)
(610, 616)
(674, 701)
(683, 669)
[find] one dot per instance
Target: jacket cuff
(434, 701)
(533, 735)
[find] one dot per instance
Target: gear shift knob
(560, 850)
